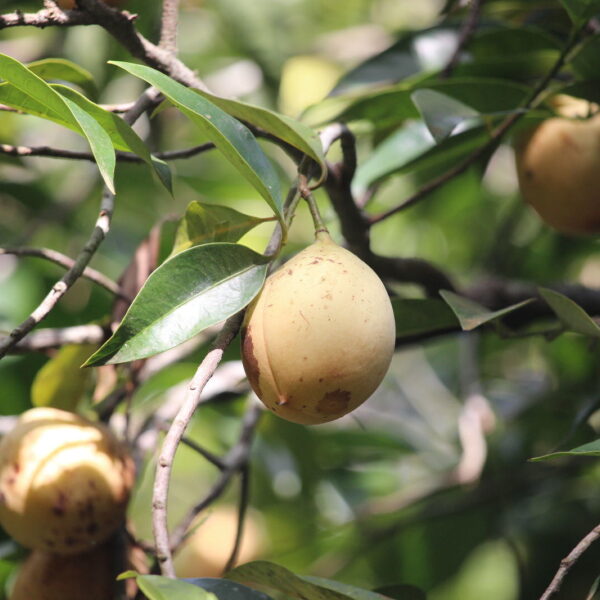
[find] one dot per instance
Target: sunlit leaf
(590, 449)
(60, 69)
(156, 587)
(189, 292)
(232, 138)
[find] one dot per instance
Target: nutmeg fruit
(64, 481)
(319, 338)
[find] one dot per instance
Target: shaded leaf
(590, 449)
(581, 10)
(281, 126)
(156, 587)
(187, 293)
(60, 69)
(416, 316)
(570, 313)
(471, 314)
(441, 113)
(402, 592)
(232, 138)
(350, 591)
(204, 223)
(61, 382)
(228, 590)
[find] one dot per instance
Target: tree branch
(67, 262)
(173, 437)
(46, 339)
(567, 562)
(168, 32)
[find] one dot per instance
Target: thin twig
(567, 562)
(169, 20)
(242, 510)
(47, 339)
(209, 456)
(172, 439)
(50, 152)
(491, 144)
(465, 35)
(67, 262)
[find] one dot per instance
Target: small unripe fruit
(558, 166)
(64, 482)
(319, 338)
(45, 576)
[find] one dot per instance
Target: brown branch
(169, 20)
(67, 262)
(567, 562)
(464, 37)
(46, 339)
(49, 152)
(492, 143)
(173, 437)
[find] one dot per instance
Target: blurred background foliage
(368, 500)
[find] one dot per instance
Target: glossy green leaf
(61, 108)
(232, 138)
(281, 126)
(228, 590)
(472, 315)
(590, 449)
(204, 223)
(441, 113)
(350, 591)
(570, 313)
(187, 293)
(415, 316)
(60, 69)
(156, 587)
(581, 10)
(61, 382)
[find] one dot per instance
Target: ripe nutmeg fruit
(558, 167)
(320, 336)
(64, 482)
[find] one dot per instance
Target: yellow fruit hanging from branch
(319, 338)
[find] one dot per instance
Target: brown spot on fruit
(333, 403)
(60, 506)
(249, 360)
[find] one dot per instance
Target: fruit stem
(312, 206)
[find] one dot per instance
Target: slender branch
(567, 562)
(464, 37)
(209, 456)
(491, 144)
(242, 510)
(235, 461)
(168, 32)
(173, 437)
(46, 339)
(67, 262)
(49, 152)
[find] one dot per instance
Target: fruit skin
(206, 552)
(45, 576)
(558, 167)
(64, 481)
(319, 338)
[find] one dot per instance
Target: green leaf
(402, 592)
(472, 315)
(227, 590)
(156, 587)
(581, 10)
(416, 316)
(70, 113)
(281, 126)
(59, 69)
(100, 143)
(589, 449)
(350, 591)
(570, 313)
(187, 293)
(204, 223)
(441, 113)
(61, 382)
(232, 138)
(270, 575)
